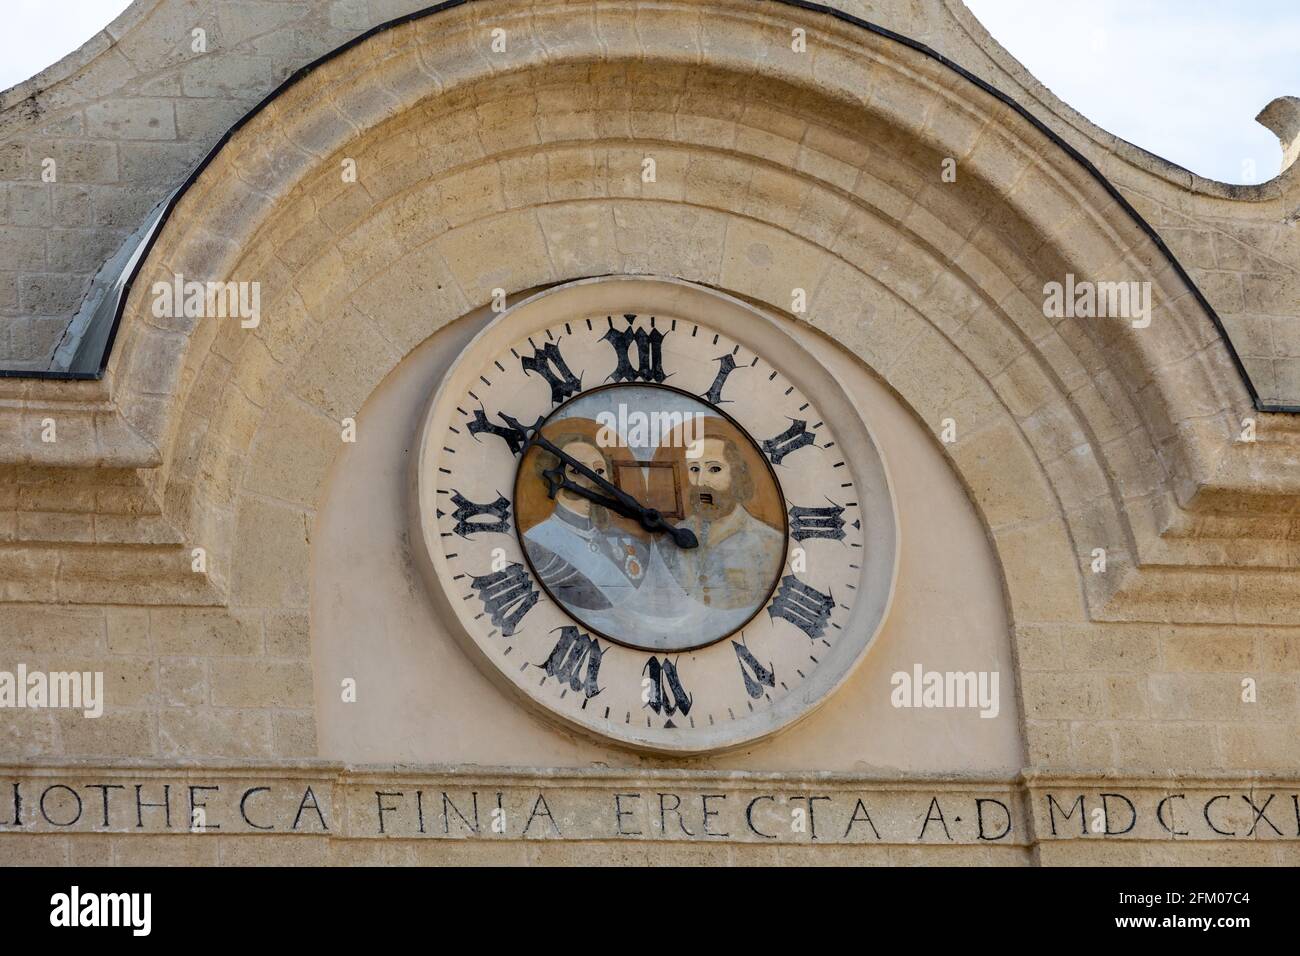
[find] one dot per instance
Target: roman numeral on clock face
(663, 690)
(497, 514)
(817, 523)
(790, 440)
(575, 660)
(726, 365)
(803, 606)
(755, 674)
(506, 595)
(549, 363)
(649, 359)
(512, 433)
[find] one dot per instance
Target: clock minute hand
(650, 519)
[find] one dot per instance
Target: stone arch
(823, 175)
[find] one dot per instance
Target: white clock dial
(636, 501)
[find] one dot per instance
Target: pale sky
(1181, 78)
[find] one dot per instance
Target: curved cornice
(137, 12)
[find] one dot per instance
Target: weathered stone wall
(524, 171)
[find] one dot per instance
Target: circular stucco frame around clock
(756, 331)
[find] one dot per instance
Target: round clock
(647, 509)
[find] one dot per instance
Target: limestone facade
(519, 169)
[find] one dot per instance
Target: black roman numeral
(512, 433)
(575, 660)
(790, 440)
(817, 522)
(803, 606)
(497, 514)
(756, 675)
(549, 363)
(726, 365)
(649, 359)
(507, 596)
(667, 695)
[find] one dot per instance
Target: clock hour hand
(556, 482)
(626, 505)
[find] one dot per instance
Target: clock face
(651, 513)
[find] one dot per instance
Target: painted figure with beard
(739, 556)
(581, 556)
